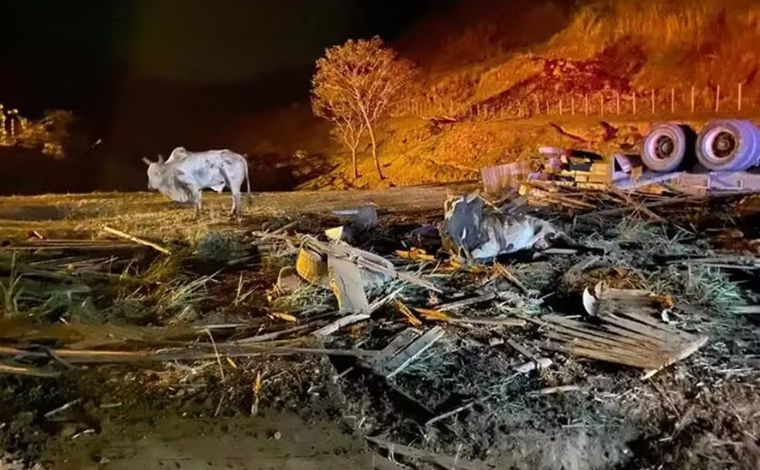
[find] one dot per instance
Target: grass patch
(701, 285)
(11, 290)
(221, 247)
(306, 300)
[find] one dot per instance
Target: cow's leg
(237, 203)
(196, 195)
(193, 190)
(234, 207)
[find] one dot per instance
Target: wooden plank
(346, 282)
(137, 240)
(585, 329)
(406, 356)
(611, 357)
(592, 354)
(26, 371)
(401, 341)
(457, 304)
(688, 351)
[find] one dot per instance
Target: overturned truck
(722, 156)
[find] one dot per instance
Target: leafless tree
(355, 86)
(349, 131)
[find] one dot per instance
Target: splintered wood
(403, 350)
(624, 331)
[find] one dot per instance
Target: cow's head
(155, 172)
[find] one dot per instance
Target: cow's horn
(147, 162)
(160, 158)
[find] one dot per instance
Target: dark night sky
(61, 51)
(147, 75)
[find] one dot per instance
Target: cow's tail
(247, 179)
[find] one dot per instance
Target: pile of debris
(498, 303)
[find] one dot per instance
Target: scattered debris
(288, 280)
(481, 231)
(347, 284)
(342, 233)
(364, 217)
(419, 346)
(132, 238)
(498, 178)
(624, 330)
(403, 350)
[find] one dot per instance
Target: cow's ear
(147, 162)
(160, 158)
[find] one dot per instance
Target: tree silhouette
(355, 86)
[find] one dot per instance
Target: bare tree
(349, 131)
(358, 83)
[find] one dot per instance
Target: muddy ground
(313, 411)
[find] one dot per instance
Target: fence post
(739, 97)
(560, 106)
(717, 98)
(672, 101)
(693, 98)
(601, 104)
(547, 108)
(617, 102)
(633, 101)
(572, 105)
(653, 106)
(585, 103)
(538, 105)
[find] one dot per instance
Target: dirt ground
(281, 441)
(154, 215)
(314, 412)
(135, 432)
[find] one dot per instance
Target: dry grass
(685, 43)
(153, 216)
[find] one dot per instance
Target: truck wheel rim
(720, 144)
(664, 147)
(724, 144)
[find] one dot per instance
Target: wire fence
(608, 103)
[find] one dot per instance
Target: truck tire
(729, 145)
(668, 147)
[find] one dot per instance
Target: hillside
(518, 62)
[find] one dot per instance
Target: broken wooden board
(502, 177)
(347, 285)
(629, 338)
(623, 329)
(403, 350)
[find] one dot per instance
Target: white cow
(185, 174)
